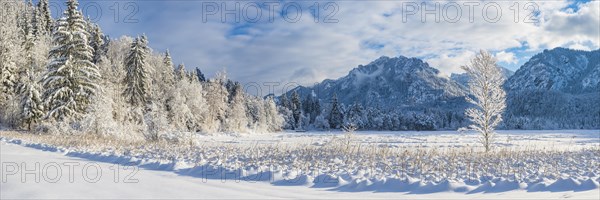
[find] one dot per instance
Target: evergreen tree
(43, 16)
(24, 19)
(97, 43)
(10, 46)
(136, 77)
(273, 119)
(336, 117)
(216, 98)
(231, 89)
(354, 115)
(167, 71)
(311, 107)
(8, 77)
(236, 119)
(35, 23)
(284, 101)
(200, 75)
(191, 76)
(296, 109)
(307, 105)
(31, 108)
(317, 108)
(70, 81)
(31, 104)
(180, 72)
(10, 52)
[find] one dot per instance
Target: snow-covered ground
(520, 139)
(157, 173)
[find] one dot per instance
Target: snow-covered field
(525, 164)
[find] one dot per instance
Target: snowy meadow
(403, 162)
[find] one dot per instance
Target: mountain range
(568, 79)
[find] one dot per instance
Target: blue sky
(296, 47)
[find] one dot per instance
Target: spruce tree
(97, 43)
(44, 17)
(200, 75)
(31, 107)
(35, 23)
(296, 108)
(136, 77)
(284, 101)
(70, 81)
(180, 72)
(317, 108)
(217, 101)
(236, 119)
(273, 119)
(167, 72)
(336, 116)
(10, 48)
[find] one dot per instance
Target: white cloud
(307, 52)
(507, 57)
(451, 63)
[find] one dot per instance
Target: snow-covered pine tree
(35, 23)
(284, 101)
(489, 97)
(255, 114)
(296, 109)
(29, 41)
(311, 107)
(200, 75)
(285, 111)
(44, 18)
(136, 77)
(97, 42)
(336, 117)
(167, 69)
(316, 109)
(10, 47)
(235, 117)
(70, 81)
(307, 107)
(354, 116)
(144, 42)
(24, 19)
(192, 77)
(167, 60)
(217, 100)
(273, 119)
(31, 104)
(180, 72)
(31, 109)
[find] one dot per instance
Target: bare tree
(485, 85)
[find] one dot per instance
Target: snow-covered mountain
(555, 89)
(559, 69)
(390, 83)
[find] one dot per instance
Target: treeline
(66, 76)
(542, 109)
(309, 112)
(526, 109)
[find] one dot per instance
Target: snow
(178, 178)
